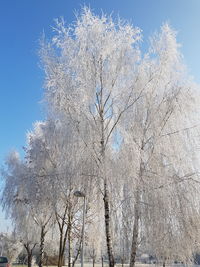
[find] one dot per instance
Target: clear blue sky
(21, 25)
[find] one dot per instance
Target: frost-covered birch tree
(151, 125)
(58, 168)
(90, 75)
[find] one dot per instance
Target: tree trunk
(122, 261)
(63, 238)
(93, 257)
(77, 254)
(135, 233)
(42, 236)
(102, 261)
(106, 193)
(122, 258)
(69, 238)
(107, 226)
(164, 262)
(29, 253)
(30, 257)
(60, 250)
(47, 258)
(63, 235)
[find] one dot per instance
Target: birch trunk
(69, 236)
(106, 192)
(107, 226)
(42, 236)
(134, 245)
